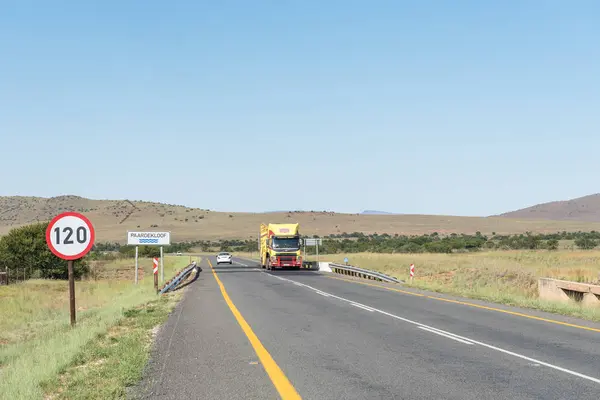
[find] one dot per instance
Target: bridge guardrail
(362, 273)
(180, 277)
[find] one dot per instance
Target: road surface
(244, 333)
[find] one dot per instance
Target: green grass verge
(114, 360)
(37, 344)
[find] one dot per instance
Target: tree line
(358, 242)
(24, 253)
(435, 243)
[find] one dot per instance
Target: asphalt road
(324, 337)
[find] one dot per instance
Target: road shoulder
(201, 352)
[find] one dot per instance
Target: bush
(586, 243)
(552, 244)
(26, 247)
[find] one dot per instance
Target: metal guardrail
(180, 277)
(362, 273)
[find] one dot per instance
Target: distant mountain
(585, 208)
(113, 218)
(375, 212)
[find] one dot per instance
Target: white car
(224, 257)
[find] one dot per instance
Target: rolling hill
(113, 218)
(585, 208)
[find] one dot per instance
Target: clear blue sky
(437, 107)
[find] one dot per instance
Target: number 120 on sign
(70, 236)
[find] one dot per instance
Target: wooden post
(71, 291)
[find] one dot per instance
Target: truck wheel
(268, 264)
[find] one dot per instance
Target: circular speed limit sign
(70, 236)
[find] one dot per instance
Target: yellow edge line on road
(281, 382)
(552, 321)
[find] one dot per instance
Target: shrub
(26, 247)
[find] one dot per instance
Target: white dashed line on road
(440, 332)
(443, 334)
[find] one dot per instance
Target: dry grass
(31, 307)
(112, 218)
(110, 365)
(508, 277)
(34, 323)
(580, 266)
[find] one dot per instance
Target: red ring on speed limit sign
(65, 232)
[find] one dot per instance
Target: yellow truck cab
(280, 246)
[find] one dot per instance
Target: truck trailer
(280, 246)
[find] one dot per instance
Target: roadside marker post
(412, 271)
(70, 236)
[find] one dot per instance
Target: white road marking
(451, 335)
(446, 333)
(443, 334)
(363, 307)
(239, 263)
(324, 294)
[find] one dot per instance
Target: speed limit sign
(70, 236)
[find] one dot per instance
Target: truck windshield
(285, 243)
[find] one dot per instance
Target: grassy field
(508, 277)
(112, 218)
(37, 343)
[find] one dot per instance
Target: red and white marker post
(412, 271)
(155, 270)
(70, 236)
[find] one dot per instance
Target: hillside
(113, 218)
(585, 208)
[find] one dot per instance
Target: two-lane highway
(241, 332)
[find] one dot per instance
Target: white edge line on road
(452, 335)
(443, 334)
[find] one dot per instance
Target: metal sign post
(155, 273)
(162, 266)
(313, 242)
(70, 236)
(149, 239)
(136, 265)
(304, 258)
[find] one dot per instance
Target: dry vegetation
(112, 218)
(36, 340)
(509, 277)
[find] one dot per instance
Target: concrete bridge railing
(567, 291)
